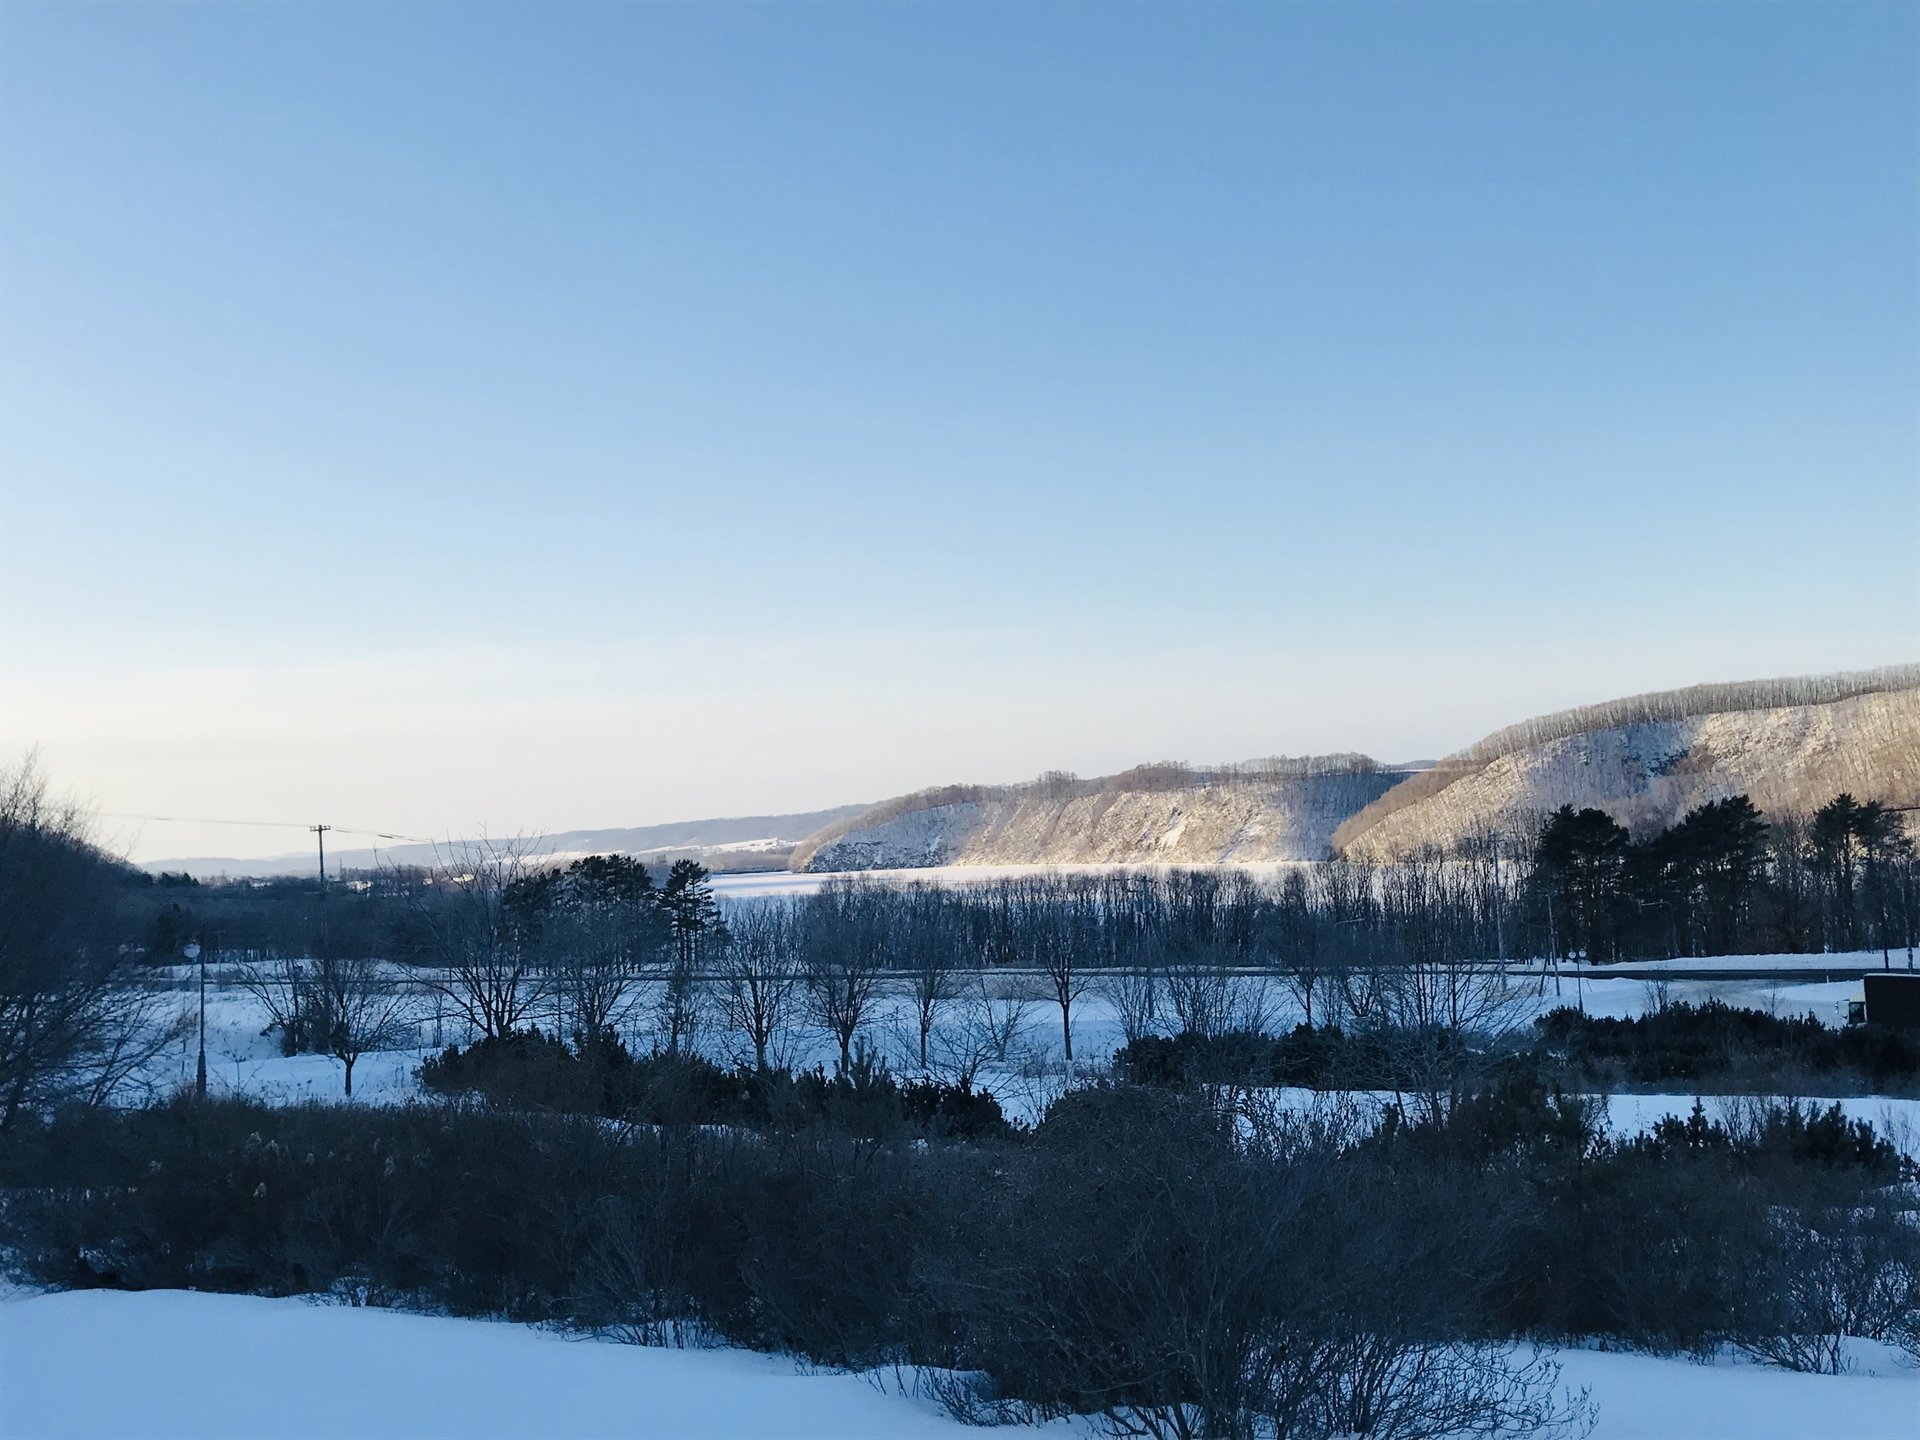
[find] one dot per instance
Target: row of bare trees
(596, 950)
(499, 941)
(1205, 952)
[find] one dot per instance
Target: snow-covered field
(92, 1364)
(242, 1059)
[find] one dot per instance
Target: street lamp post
(192, 951)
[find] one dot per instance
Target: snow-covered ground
(169, 1363)
(1643, 1397)
(242, 1059)
(172, 1363)
(1620, 998)
(1790, 964)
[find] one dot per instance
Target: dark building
(1893, 1000)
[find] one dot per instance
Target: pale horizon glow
(436, 417)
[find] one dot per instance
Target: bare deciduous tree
(845, 953)
(993, 1015)
(1296, 940)
(1044, 924)
(337, 1005)
(760, 979)
(1133, 991)
(935, 957)
(473, 917)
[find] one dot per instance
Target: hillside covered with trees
(1166, 813)
(1790, 745)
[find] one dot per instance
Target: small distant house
(1887, 1000)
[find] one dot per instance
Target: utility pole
(321, 832)
(194, 954)
(1499, 901)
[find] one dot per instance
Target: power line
(264, 824)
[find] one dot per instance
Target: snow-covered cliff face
(1788, 758)
(1285, 819)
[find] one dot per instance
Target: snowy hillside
(1652, 771)
(1210, 821)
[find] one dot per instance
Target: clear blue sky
(424, 415)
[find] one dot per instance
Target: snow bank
(171, 1363)
(1643, 1397)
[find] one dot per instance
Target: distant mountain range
(1791, 744)
(732, 842)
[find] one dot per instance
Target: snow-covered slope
(1289, 818)
(1785, 757)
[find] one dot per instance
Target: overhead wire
(266, 824)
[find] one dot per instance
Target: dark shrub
(522, 1068)
(934, 1107)
(1189, 1058)
(529, 1070)
(1174, 1257)
(1700, 1042)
